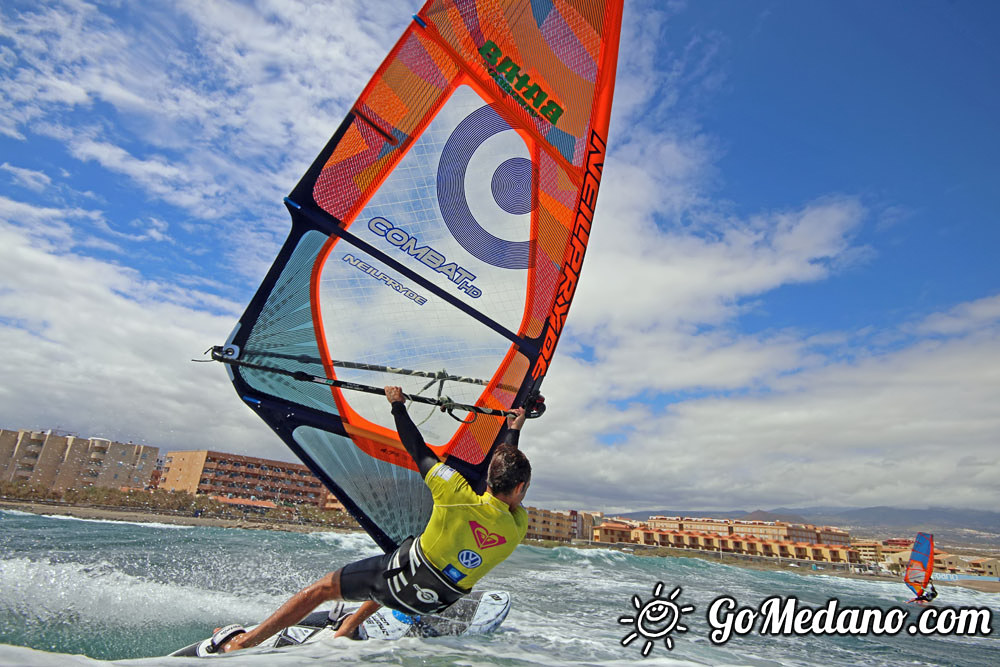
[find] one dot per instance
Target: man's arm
(351, 623)
(409, 434)
(515, 420)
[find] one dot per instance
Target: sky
(790, 297)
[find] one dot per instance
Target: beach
(124, 514)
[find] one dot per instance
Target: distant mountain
(957, 526)
(948, 525)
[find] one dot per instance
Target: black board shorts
(402, 580)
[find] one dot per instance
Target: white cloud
(48, 221)
(216, 109)
(28, 178)
(155, 229)
(963, 318)
(190, 120)
(58, 226)
(889, 429)
(95, 348)
(186, 187)
(680, 279)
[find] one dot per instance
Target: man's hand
(395, 394)
(515, 419)
(351, 623)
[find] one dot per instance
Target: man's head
(510, 473)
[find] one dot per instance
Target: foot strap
(223, 635)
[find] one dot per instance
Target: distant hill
(957, 526)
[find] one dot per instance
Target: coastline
(976, 585)
(177, 519)
(128, 515)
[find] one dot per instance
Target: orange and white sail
(436, 243)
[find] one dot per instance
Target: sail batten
(441, 232)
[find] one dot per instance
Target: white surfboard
(478, 613)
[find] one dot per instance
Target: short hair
(508, 468)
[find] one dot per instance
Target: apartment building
(666, 523)
(740, 529)
(550, 525)
(330, 502)
(766, 530)
(752, 538)
(945, 562)
(613, 532)
(584, 523)
(799, 532)
(831, 535)
(62, 462)
(870, 551)
(234, 476)
(560, 525)
(985, 567)
(705, 525)
(896, 557)
(899, 542)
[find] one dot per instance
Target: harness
(415, 584)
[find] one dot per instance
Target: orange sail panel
(436, 244)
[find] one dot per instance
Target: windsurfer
(929, 593)
(467, 535)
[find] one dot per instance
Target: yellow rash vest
(468, 534)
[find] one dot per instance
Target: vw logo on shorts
(469, 558)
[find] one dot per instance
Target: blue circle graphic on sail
(511, 186)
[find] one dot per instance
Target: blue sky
(790, 296)
(894, 103)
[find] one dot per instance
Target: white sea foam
(98, 595)
(354, 542)
(147, 524)
(16, 512)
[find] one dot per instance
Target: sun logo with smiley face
(656, 619)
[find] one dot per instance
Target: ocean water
(83, 592)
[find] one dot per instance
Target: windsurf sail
(920, 567)
(436, 244)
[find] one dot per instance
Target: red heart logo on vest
(484, 538)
